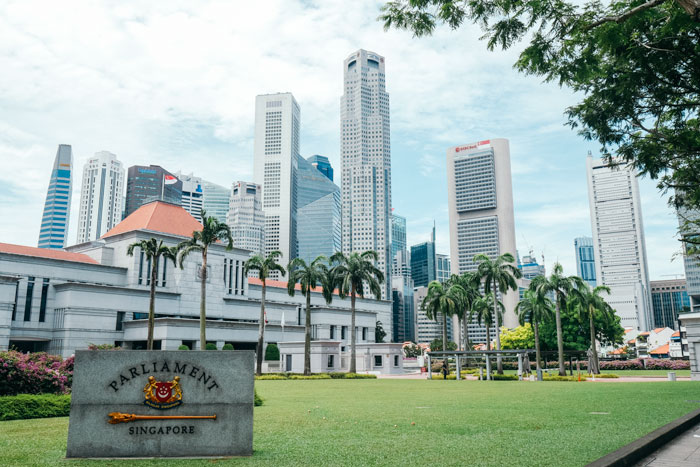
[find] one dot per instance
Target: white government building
(59, 301)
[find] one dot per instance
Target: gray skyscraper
(101, 196)
(215, 201)
(365, 151)
(54, 222)
(322, 164)
(192, 194)
(689, 227)
(398, 234)
(318, 213)
(150, 183)
(246, 218)
(423, 264)
(585, 259)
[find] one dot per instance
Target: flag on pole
(169, 179)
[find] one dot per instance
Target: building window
(141, 268)
(120, 321)
(148, 276)
(364, 334)
(28, 300)
(331, 361)
(140, 316)
(378, 360)
(165, 268)
(332, 331)
(396, 360)
(14, 307)
(343, 332)
(44, 296)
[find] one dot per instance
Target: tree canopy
(575, 331)
(636, 62)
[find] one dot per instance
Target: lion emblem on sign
(162, 394)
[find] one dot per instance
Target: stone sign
(159, 403)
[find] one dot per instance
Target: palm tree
(212, 231)
(589, 304)
(352, 273)
(486, 309)
(442, 300)
(309, 276)
(564, 287)
(470, 285)
(153, 249)
(498, 275)
(535, 308)
(264, 266)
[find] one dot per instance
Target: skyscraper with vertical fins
(54, 222)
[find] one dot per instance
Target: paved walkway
(684, 451)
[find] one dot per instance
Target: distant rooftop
(158, 216)
(45, 253)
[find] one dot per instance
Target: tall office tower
(618, 240)
(480, 202)
(149, 183)
(403, 319)
(54, 222)
(318, 213)
(530, 268)
(365, 153)
(322, 164)
(688, 226)
(215, 201)
(443, 268)
(246, 217)
(101, 196)
(427, 330)
(192, 194)
(668, 298)
(398, 234)
(423, 267)
(277, 120)
(585, 259)
(401, 265)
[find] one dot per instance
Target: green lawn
(369, 422)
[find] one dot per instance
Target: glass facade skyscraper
(56, 217)
(688, 227)
(215, 201)
(322, 164)
(398, 234)
(423, 267)
(668, 298)
(318, 213)
(585, 259)
(246, 218)
(147, 183)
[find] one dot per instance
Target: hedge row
(634, 364)
(335, 375)
(26, 406)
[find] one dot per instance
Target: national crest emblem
(162, 394)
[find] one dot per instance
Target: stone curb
(639, 449)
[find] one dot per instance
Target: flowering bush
(34, 373)
(651, 364)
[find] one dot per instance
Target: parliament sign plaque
(138, 403)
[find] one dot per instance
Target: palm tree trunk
(460, 341)
(594, 347)
(536, 327)
(465, 330)
(152, 304)
(499, 361)
(203, 304)
(353, 367)
(261, 333)
(444, 333)
(488, 347)
(307, 334)
(560, 339)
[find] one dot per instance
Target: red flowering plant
(34, 373)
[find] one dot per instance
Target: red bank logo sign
(469, 147)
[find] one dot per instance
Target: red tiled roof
(628, 330)
(632, 341)
(45, 253)
(676, 334)
(663, 350)
(283, 285)
(158, 217)
(645, 333)
(619, 351)
(658, 330)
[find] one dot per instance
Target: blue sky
(174, 84)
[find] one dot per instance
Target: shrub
(227, 347)
(35, 373)
(26, 406)
(272, 352)
(498, 377)
(210, 346)
(359, 376)
(257, 401)
(318, 376)
(271, 377)
(92, 346)
(606, 375)
(183, 347)
(651, 364)
(449, 377)
(563, 378)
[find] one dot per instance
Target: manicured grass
(369, 422)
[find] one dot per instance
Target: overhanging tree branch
(625, 16)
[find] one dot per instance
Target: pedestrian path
(683, 451)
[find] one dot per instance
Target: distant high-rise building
(585, 259)
(145, 184)
(443, 267)
(277, 121)
(318, 213)
(668, 299)
(398, 234)
(403, 319)
(101, 196)
(530, 268)
(246, 217)
(215, 201)
(322, 164)
(688, 226)
(427, 329)
(402, 264)
(618, 240)
(192, 194)
(54, 222)
(480, 205)
(365, 152)
(423, 267)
